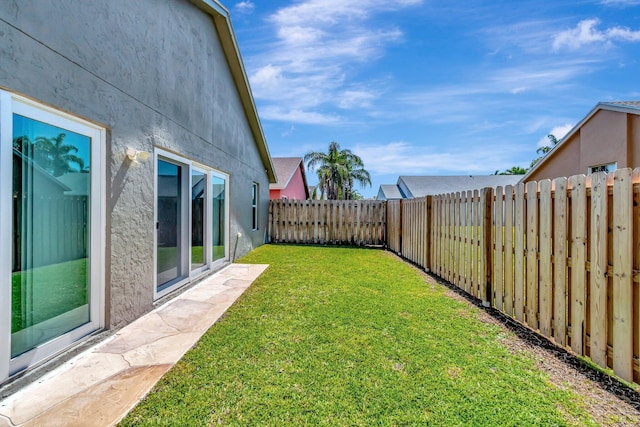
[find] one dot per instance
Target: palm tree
(337, 172)
(545, 149)
(514, 170)
(55, 156)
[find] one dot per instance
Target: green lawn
(55, 289)
(167, 256)
(340, 336)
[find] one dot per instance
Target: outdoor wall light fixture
(136, 156)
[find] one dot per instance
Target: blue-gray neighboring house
(409, 187)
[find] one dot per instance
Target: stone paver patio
(99, 386)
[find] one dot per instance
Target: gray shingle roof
(420, 186)
(628, 104)
(390, 191)
(284, 167)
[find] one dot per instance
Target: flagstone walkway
(100, 386)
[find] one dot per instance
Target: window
(51, 205)
(254, 206)
(607, 167)
(191, 220)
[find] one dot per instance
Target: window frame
(255, 202)
(10, 104)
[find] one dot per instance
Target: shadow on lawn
(605, 381)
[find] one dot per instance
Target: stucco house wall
(608, 134)
(155, 75)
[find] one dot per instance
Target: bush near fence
(560, 256)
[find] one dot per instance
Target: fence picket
(577, 287)
(508, 251)
(560, 290)
(498, 277)
(531, 297)
(545, 278)
(599, 265)
(519, 256)
(622, 275)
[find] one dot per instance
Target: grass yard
(55, 289)
(341, 336)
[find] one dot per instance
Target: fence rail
(562, 257)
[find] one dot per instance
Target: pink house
(292, 181)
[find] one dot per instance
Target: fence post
(400, 230)
(427, 236)
(270, 223)
(486, 290)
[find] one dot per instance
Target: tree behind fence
(561, 256)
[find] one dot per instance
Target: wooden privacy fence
(408, 227)
(343, 222)
(565, 262)
(561, 256)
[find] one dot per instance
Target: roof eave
(222, 21)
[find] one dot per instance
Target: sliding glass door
(191, 220)
(51, 194)
(170, 223)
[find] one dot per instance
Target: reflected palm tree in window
(51, 154)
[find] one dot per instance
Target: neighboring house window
(191, 220)
(254, 205)
(52, 192)
(607, 167)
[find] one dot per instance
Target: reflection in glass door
(169, 224)
(219, 221)
(50, 286)
(198, 191)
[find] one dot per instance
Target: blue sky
(421, 87)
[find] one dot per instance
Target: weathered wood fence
(561, 256)
(341, 222)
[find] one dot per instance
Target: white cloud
(320, 45)
(558, 131)
(244, 7)
(586, 33)
(358, 98)
(621, 3)
(273, 112)
(403, 158)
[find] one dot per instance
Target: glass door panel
(169, 224)
(50, 289)
(198, 190)
(219, 221)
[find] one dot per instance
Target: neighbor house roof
(631, 107)
(389, 191)
(420, 186)
(285, 168)
(222, 21)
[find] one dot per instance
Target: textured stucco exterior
(605, 136)
(155, 75)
